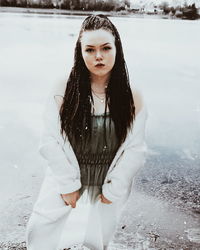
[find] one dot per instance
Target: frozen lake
(163, 60)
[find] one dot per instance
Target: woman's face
(98, 47)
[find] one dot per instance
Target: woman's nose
(98, 55)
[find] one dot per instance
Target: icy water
(36, 51)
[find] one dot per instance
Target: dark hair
(76, 107)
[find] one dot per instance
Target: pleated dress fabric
(95, 154)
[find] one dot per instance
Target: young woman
(93, 141)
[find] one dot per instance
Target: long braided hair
(76, 107)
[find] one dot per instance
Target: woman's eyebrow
(100, 45)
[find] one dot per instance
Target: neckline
(100, 114)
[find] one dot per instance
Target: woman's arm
(64, 171)
(132, 159)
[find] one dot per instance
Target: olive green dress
(95, 154)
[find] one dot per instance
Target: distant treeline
(186, 12)
(104, 5)
(183, 12)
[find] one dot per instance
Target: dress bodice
(95, 153)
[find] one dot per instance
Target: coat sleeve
(131, 160)
(51, 148)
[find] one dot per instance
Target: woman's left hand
(104, 200)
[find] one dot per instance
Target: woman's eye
(106, 48)
(89, 50)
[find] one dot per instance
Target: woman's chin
(100, 73)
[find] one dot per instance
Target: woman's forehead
(97, 37)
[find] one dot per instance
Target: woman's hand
(71, 198)
(104, 200)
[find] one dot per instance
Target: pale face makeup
(98, 47)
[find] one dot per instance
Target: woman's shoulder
(141, 114)
(138, 100)
(58, 91)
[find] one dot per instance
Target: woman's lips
(99, 65)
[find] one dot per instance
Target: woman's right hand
(71, 198)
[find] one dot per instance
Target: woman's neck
(99, 84)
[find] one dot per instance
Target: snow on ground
(163, 60)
